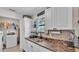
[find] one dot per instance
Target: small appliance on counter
(76, 42)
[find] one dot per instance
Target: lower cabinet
(32, 47)
(36, 48)
(28, 47)
(44, 50)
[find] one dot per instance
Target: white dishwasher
(11, 39)
(1, 44)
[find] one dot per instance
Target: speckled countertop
(53, 45)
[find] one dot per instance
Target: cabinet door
(58, 17)
(30, 46)
(70, 18)
(62, 17)
(52, 18)
(33, 47)
(36, 48)
(25, 46)
(42, 49)
(48, 19)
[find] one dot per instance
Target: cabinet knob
(31, 46)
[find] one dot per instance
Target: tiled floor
(13, 49)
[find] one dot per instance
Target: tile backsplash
(65, 35)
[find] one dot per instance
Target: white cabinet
(63, 17)
(28, 46)
(32, 47)
(25, 46)
(36, 48)
(48, 18)
(58, 17)
(44, 50)
(49, 22)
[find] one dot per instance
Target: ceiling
(26, 10)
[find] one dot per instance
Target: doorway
(11, 32)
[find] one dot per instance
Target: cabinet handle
(31, 46)
(54, 28)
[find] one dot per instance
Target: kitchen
(40, 29)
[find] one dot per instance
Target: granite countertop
(52, 44)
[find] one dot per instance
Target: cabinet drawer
(42, 49)
(32, 47)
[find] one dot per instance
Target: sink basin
(39, 41)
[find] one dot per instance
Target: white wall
(75, 20)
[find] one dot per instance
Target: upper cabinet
(59, 18)
(48, 17)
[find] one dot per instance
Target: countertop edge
(40, 45)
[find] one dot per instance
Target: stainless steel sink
(38, 40)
